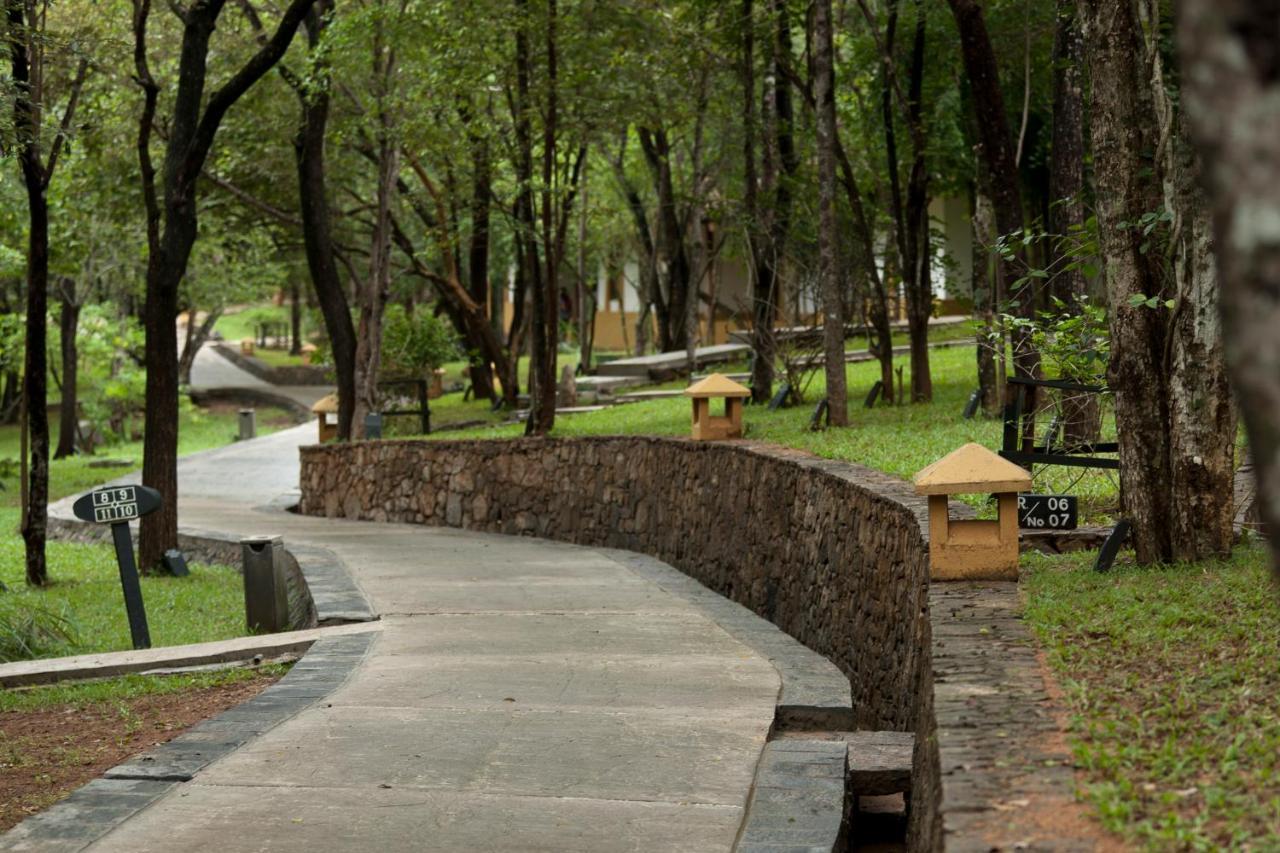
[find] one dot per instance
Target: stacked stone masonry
(834, 554)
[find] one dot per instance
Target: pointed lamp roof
(971, 469)
(717, 385)
(327, 405)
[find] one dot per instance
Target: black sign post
(117, 506)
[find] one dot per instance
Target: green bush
(415, 344)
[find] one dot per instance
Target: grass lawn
(234, 326)
(898, 439)
(277, 357)
(82, 610)
(1171, 678)
(54, 739)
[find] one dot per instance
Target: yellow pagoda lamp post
(969, 549)
(709, 427)
(326, 412)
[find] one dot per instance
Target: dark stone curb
(95, 809)
(815, 694)
(798, 802)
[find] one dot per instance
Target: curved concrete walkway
(212, 372)
(523, 695)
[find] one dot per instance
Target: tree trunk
(542, 412)
(917, 262)
(1080, 412)
(586, 294)
(990, 381)
(68, 411)
(295, 318)
(478, 263)
(376, 288)
(197, 336)
(1173, 414)
(997, 148)
(828, 234)
(35, 367)
(317, 234)
(192, 126)
(1231, 81)
(777, 168)
(670, 250)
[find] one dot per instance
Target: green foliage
(1171, 679)
(111, 382)
(11, 342)
(1073, 340)
(415, 344)
(32, 630)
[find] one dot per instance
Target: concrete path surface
(212, 372)
(523, 695)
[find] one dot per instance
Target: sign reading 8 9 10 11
(118, 504)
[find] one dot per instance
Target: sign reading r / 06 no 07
(1047, 512)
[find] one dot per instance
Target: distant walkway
(523, 695)
(212, 372)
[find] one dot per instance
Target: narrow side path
(212, 372)
(523, 695)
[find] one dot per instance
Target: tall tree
(997, 148)
(171, 216)
(832, 282)
(317, 223)
(769, 219)
(374, 289)
(1231, 82)
(26, 37)
(1167, 370)
(1066, 197)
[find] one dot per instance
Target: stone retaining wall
(832, 553)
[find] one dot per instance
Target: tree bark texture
(26, 125)
(196, 337)
(317, 226)
(1173, 411)
(828, 268)
(478, 264)
(68, 410)
(778, 164)
(376, 287)
(996, 145)
(1231, 83)
(1080, 412)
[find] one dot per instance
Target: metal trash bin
(266, 595)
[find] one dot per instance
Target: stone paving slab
(216, 819)
(799, 799)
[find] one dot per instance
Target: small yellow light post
(968, 549)
(326, 412)
(708, 427)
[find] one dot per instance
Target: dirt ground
(47, 754)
